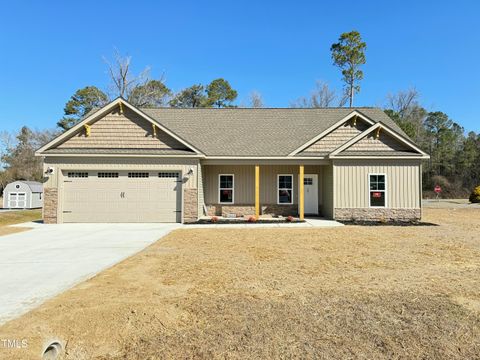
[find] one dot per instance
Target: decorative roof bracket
(87, 130)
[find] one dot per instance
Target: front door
(310, 182)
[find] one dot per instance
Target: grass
(352, 292)
(17, 217)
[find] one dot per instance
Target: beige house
(124, 164)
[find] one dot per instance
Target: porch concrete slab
(319, 222)
(49, 259)
(309, 223)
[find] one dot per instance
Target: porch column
(301, 200)
(257, 191)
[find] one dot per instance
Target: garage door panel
(121, 198)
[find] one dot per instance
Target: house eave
(353, 157)
(195, 156)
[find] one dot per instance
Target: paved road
(449, 203)
(38, 264)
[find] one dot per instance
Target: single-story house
(22, 194)
(126, 164)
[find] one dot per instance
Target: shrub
(214, 219)
(475, 195)
(252, 219)
(290, 218)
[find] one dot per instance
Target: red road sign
(437, 189)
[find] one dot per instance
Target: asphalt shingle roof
(255, 132)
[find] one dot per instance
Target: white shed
(23, 195)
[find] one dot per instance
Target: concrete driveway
(38, 264)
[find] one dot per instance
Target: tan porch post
(301, 200)
(257, 191)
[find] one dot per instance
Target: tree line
(455, 156)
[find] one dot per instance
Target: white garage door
(17, 200)
(121, 196)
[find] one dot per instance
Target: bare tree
(403, 102)
(321, 96)
(6, 143)
(256, 100)
(18, 154)
(123, 81)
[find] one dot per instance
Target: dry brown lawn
(17, 217)
(378, 292)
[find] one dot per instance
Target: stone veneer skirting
(50, 204)
(377, 214)
(190, 205)
(245, 210)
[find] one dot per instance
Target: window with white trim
(377, 183)
(285, 189)
(225, 189)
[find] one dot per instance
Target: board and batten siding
(403, 183)
(244, 182)
(327, 192)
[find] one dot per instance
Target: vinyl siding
(120, 163)
(338, 137)
(402, 188)
(244, 183)
(327, 192)
(152, 164)
(125, 131)
(383, 143)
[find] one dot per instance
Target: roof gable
(339, 136)
(121, 130)
(378, 140)
(118, 125)
(353, 115)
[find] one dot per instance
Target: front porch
(266, 190)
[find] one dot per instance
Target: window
(76, 174)
(225, 189)
(168, 174)
(285, 189)
(108, 174)
(138, 174)
(307, 181)
(377, 190)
